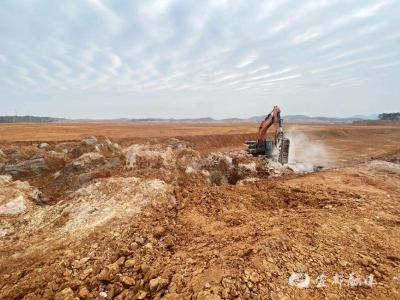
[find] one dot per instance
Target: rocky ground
(161, 220)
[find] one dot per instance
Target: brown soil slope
(169, 220)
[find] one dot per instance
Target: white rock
(5, 179)
(247, 180)
(3, 232)
(205, 173)
(56, 154)
(252, 167)
(105, 199)
(150, 155)
(56, 174)
(89, 141)
(87, 158)
(108, 142)
(190, 170)
(14, 206)
(43, 145)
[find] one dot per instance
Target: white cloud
(387, 65)
(305, 10)
(153, 9)
(354, 62)
(281, 79)
(246, 61)
(260, 69)
(267, 9)
(3, 59)
(225, 77)
(370, 29)
(115, 62)
(372, 10)
(28, 80)
(62, 69)
(362, 13)
(268, 75)
(393, 36)
(113, 20)
(347, 53)
(327, 46)
(306, 36)
(344, 82)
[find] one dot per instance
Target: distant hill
(27, 119)
(200, 120)
(288, 118)
(319, 119)
(366, 117)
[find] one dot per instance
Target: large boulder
(34, 166)
(141, 156)
(82, 170)
(43, 145)
(174, 155)
(16, 197)
(27, 162)
(13, 206)
(114, 197)
(92, 140)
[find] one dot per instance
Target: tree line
(389, 116)
(27, 119)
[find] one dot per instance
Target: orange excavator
(278, 148)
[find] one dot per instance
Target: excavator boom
(273, 118)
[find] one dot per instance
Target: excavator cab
(277, 149)
(264, 147)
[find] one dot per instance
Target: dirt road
(194, 218)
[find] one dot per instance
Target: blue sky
(170, 58)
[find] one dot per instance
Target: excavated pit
(82, 185)
(61, 173)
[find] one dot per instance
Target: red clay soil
(149, 227)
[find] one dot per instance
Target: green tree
(389, 116)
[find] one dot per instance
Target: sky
(204, 58)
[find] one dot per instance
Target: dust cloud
(305, 154)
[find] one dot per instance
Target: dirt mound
(177, 162)
(174, 154)
(59, 168)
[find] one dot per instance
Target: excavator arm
(273, 118)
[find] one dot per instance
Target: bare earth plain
(180, 211)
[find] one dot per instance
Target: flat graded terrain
(76, 131)
(180, 211)
(345, 142)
